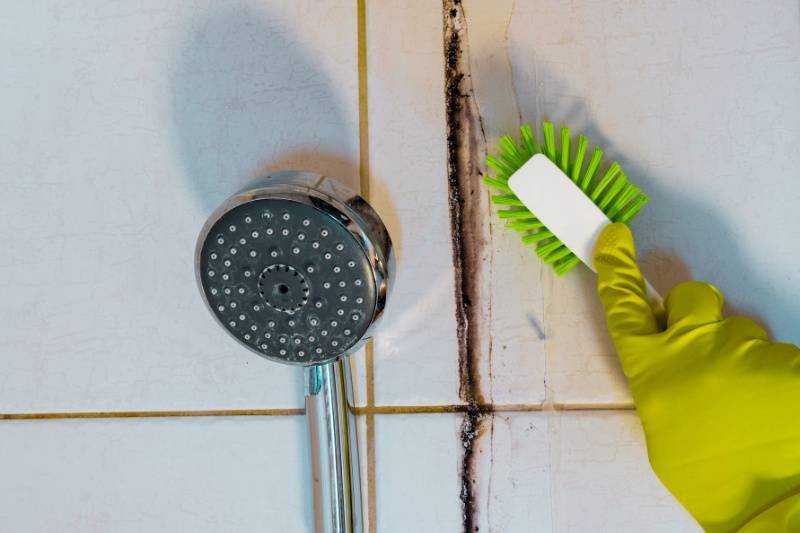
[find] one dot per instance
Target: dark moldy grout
(470, 430)
(465, 217)
(467, 242)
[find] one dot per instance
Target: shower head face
(291, 275)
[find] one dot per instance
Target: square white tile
(571, 471)
(697, 104)
(363, 461)
(245, 474)
(602, 480)
(514, 372)
(514, 494)
(417, 480)
(123, 127)
(416, 352)
(582, 363)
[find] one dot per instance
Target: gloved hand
(719, 402)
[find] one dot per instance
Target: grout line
(151, 414)
(487, 408)
(369, 411)
(363, 103)
(411, 409)
(364, 178)
(467, 228)
(619, 406)
(516, 408)
(445, 408)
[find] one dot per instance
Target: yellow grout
(364, 177)
(363, 104)
(516, 408)
(619, 406)
(369, 410)
(150, 414)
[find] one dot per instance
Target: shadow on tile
(248, 95)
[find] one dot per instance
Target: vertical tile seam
(364, 181)
(467, 245)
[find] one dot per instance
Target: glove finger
(621, 286)
(693, 304)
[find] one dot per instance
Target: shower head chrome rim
(296, 267)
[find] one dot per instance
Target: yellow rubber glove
(719, 402)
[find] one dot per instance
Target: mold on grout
(466, 218)
(467, 228)
(471, 429)
(482, 410)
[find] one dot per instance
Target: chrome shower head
(296, 267)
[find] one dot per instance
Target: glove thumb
(621, 286)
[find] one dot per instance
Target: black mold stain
(470, 430)
(467, 242)
(465, 215)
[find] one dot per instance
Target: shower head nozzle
(296, 267)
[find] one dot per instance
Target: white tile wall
(582, 365)
(124, 125)
(517, 495)
(697, 101)
(550, 472)
(516, 366)
(244, 474)
(416, 473)
(602, 480)
(575, 471)
(416, 349)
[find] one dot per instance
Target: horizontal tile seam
(489, 408)
(151, 414)
(358, 410)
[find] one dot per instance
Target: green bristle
(525, 225)
(566, 264)
(496, 184)
(579, 153)
(549, 141)
(514, 213)
(612, 192)
(511, 153)
(532, 238)
(638, 203)
(565, 149)
(610, 174)
(503, 170)
(594, 162)
(622, 200)
(559, 253)
(528, 140)
(548, 247)
(619, 199)
(506, 199)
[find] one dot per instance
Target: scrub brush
(556, 201)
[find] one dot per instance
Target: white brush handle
(563, 207)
